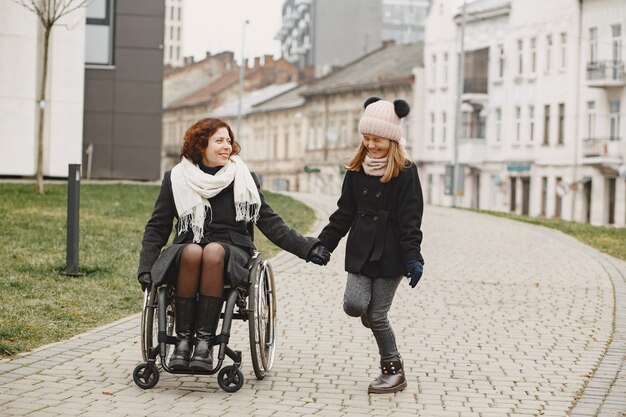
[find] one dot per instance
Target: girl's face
(376, 147)
(219, 149)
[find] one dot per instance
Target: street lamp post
(241, 70)
(459, 96)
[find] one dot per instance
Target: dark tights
(201, 269)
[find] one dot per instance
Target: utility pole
(574, 184)
(459, 95)
(241, 69)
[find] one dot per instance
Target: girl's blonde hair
(397, 160)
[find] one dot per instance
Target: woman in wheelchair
(214, 198)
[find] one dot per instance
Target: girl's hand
(319, 255)
(416, 269)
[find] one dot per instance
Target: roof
(248, 100)
(205, 93)
(387, 65)
(287, 100)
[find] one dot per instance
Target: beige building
(302, 139)
(198, 89)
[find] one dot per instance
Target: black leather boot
(391, 378)
(185, 317)
(207, 319)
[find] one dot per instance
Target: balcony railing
(602, 147)
(606, 74)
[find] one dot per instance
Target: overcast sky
(216, 26)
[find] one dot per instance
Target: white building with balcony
(525, 145)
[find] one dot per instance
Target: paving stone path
(509, 320)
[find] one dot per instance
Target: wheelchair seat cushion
(165, 269)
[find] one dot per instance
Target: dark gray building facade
(326, 34)
(123, 89)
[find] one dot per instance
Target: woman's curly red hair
(197, 138)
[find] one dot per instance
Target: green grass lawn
(39, 305)
(610, 240)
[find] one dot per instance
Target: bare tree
(49, 12)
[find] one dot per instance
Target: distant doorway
(513, 194)
(587, 201)
(525, 195)
(611, 200)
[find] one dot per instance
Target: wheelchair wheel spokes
(148, 333)
(268, 329)
(262, 313)
(150, 325)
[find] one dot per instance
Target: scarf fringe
(195, 218)
(247, 211)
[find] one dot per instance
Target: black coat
(220, 225)
(384, 222)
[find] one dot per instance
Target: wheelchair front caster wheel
(146, 375)
(230, 379)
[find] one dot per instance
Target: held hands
(319, 255)
(416, 269)
(145, 280)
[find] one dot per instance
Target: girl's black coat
(221, 227)
(384, 222)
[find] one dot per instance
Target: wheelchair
(255, 303)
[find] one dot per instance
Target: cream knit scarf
(374, 167)
(192, 189)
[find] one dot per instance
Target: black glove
(145, 280)
(319, 255)
(416, 269)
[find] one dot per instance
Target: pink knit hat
(382, 118)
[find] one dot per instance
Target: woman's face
(376, 147)
(219, 149)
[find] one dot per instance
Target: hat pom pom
(370, 101)
(401, 107)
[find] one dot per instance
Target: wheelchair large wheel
(150, 325)
(262, 318)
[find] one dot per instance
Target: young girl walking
(381, 205)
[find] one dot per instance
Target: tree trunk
(42, 111)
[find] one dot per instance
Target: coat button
(365, 191)
(375, 218)
(378, 194)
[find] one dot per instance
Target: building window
(434, 71)
(563, 50)
(520, 57)
(614, 119)
(533, 55)
(546, 124)
(518, 123)
(561, 133)
(443, 127)
(99, 32)
(445, 69)
(432, 127)
(500, 61)
(498, 124)
(593, 44)
(616, 43)
(531, 124)
(591, 119)
(548, 52)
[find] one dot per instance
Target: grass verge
(609, 240)
(40, 306)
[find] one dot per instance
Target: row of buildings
(540, 125)
(542, 99)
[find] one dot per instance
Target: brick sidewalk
(509, 320)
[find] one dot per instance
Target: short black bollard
(73, 209)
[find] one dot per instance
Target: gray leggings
(373, 296)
